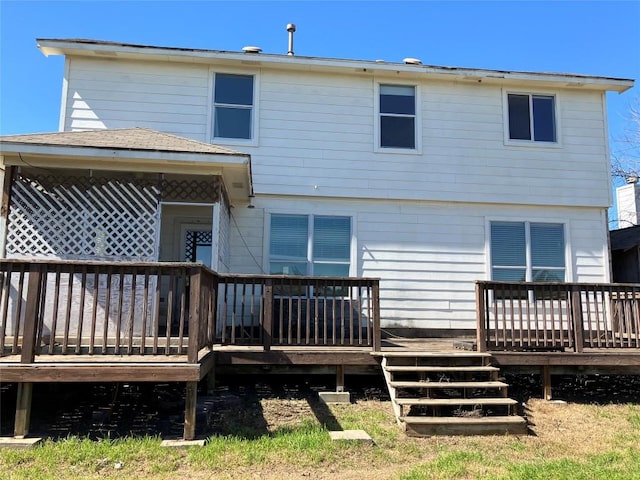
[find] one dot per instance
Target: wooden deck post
(546, 382)
(377, 338)
(190, 402)
(31, 314)
(481, 329)
(23, 409)
(267, 324)
(195, 285)
(339, 378)
(4, 207)
(578, 324)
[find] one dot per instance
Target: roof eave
(114, 152)
(114, 50)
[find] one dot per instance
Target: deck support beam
(23, 409)
(190, 400)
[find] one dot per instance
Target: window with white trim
(397, 116)
(532, 117)
(310, 245)
(233, 106)
(527, 251)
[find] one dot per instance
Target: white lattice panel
(76, 217)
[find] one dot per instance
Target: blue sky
(597, 38)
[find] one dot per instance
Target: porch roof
(131, 149)
(625, 238)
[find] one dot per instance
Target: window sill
(401, 151)
(532, 144)
(234, 141)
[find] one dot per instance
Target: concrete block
(335, 397)
(15, 442)
(351, 436)
(182, 443)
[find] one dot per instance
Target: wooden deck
(63, 321)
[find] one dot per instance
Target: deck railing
(557, 316)
(50, 307)
(284, 310)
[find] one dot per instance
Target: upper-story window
(233, 106)
(532, 117)
(397, 116)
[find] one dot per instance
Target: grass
(571, 442)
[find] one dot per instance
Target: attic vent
(251, 49)
(412, 61)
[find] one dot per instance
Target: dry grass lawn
(282, 438)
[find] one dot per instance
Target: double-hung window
(524, 251)
(233, 106)
(310, 245)
(397, 116)
(532, 117)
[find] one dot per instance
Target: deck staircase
(449, 394)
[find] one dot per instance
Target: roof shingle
(122, 139)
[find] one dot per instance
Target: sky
(587, 37)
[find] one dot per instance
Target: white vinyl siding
(421, 220)
(312, 125)
(428, 254)
(171, 98)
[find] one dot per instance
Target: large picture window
(397, 116)
(531, 252)
(310, 245)
(532, 117)
(233, 106)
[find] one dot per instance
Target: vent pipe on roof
(291, 28)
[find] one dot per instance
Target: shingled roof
(121, 139)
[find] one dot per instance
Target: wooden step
(433, 402)
(489, 384)
(408, 368)
(409, 354)
(499, 425)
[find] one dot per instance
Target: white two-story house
(426, 177)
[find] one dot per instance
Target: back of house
(429, 178)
